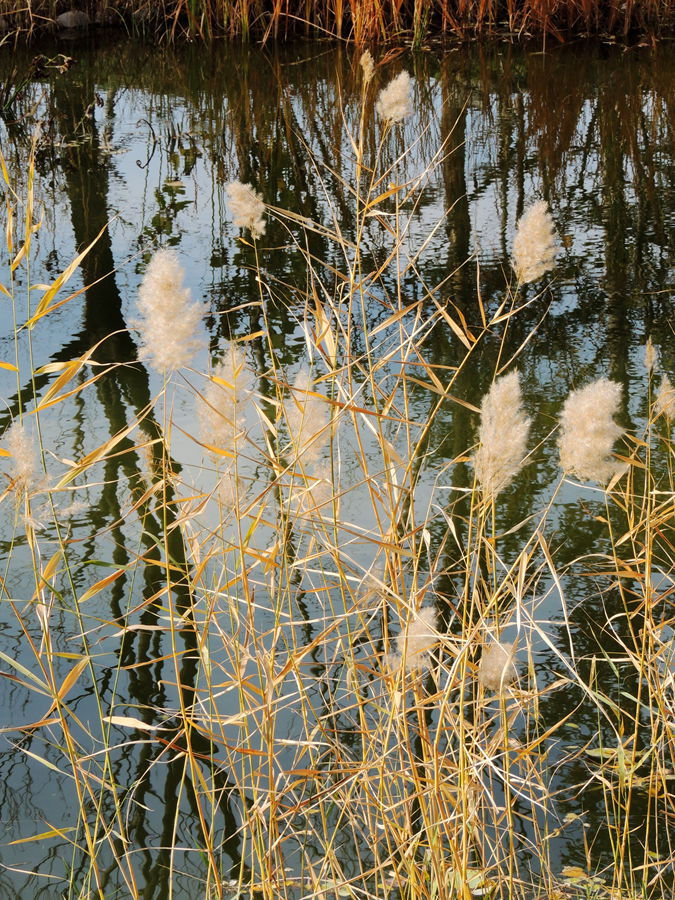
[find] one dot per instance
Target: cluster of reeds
(358, 20)
(354, 690)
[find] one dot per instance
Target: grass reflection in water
(312, 609)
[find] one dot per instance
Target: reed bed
(358, 20)
(349, 638)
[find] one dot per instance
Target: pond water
(146, 140)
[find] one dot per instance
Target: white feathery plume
(534, 246)
(651, 357)
(588, 431)
(504, 429)
(24, 470)
(367, 66)
(497, 669)
(229, 487)
(373, 584)
(314, 498)
(664, 404)
(224, 399)
(169, 320)
(306, 415)
(415, 642)
(247, 207)
(394, 103)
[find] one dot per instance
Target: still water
(146, 140)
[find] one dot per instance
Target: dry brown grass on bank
(357, 20)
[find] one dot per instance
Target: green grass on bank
(356, 20)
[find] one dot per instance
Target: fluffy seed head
(221, 408)
(229, 488)
(665, 400)
(169, 321)
(367, 66)
(394, 103)
(414, 643)
(497, 668)
(588, 431)
(373, 584)
(306, 415)
(313, 498)
(534, 246)
(24, 470)
(651, 357)
(247, 207)
(503, 433)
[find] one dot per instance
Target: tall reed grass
(324, 703)
(359, 20)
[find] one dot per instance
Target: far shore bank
(357, 21)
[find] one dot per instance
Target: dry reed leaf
(464, 338)
(100, 585)
(436, 389)
(16, 680)
(46, 403)
(253, 335)
(219, 451)
(43, 306)
(325, 332)
(41, 686)
(45, 835)
(19, 256)
(391, 190)
(129, 722)
(41, 759)
(66, 686)
(395, 317)
(73, 368)
(46, 574)
(100, 452)
(69, 681)
(5, 173)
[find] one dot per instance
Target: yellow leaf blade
(44, 835)
(44, 305)
(100, 585)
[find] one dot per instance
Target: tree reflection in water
(590, 132)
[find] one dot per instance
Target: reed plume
(169, 321)
(373, 584)
(229, 487)
(497, 668)
(588, 431)
(664, 404)
(247, 208)
(306, 415)
(221, 412)
(503, 433)
(367, 66)
(394, 103)
(413, 645)
(534, 246)
(222, 406)
(314, 497)
(651, 357)
(24, 470)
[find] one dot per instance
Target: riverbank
(351, 20)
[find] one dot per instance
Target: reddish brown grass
(360, 20)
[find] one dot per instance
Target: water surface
(146, 140)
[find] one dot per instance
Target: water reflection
(153, 137)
